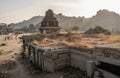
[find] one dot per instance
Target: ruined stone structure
(98, 62)
(49, 24)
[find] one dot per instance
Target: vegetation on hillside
(98, 30)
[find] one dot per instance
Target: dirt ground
(12, 67)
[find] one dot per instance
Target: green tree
(99, 29)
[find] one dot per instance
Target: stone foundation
(57, 57)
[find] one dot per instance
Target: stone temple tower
(49, 24)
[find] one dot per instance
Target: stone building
(49, 23)
(98, 62)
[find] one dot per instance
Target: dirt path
(24, 70)
(20, 71)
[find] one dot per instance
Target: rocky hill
(65, 22)
(34, 20)
(104, 18)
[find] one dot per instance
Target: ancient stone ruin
(49, 23)
(65, 50)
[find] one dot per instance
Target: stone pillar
(44, 31)
(42, 60)
(32, 58)
(90, 68)
(56, 23)
(41, 31)
(39, 54)
(24, 47)
(29, 53)
(53, 24)
(34, 53)
(36, 57)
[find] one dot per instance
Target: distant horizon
(14, 11)
(55, 13)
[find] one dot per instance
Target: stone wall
(81, 56)
(79, 59)
(55, 60)
(108, 55)
(52, 59)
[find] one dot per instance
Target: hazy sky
(19, 10)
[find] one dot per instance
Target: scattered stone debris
(8, 65)
(4, 74)
(5, 67)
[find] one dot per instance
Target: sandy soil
(11, 67)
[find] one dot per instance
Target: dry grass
(110, 38)
(79, 40)
(73, 41)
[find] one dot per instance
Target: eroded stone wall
(54, 59)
